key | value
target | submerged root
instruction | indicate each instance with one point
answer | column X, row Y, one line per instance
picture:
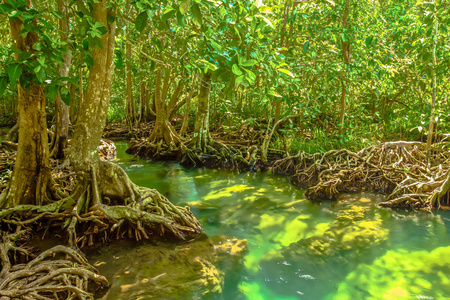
column 398, row 169
column 57, row 273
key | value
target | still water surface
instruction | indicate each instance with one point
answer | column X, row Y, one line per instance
column 297, row 249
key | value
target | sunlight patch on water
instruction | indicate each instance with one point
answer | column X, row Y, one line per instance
column 400, row 274
column 226, row 192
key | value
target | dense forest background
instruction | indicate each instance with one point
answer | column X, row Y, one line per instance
column 354, row 72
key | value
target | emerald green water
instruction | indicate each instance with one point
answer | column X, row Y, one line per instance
column 297, row 249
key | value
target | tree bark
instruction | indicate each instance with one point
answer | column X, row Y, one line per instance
column 163, row 130
column 93, row 110
column 145, row 114
column 59, row 142
column 186, row 112
column 201, row 136
column 346, row 58
column 131, row 109
column 31, row 170
column 433, row 95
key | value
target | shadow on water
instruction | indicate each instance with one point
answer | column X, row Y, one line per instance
column 266, row 241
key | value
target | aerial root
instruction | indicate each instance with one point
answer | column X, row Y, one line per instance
column 57, row 273
column 398, row 169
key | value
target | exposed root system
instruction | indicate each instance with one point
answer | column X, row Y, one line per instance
column 397, row 169
column 57, row 273
column 89, row 207
column 231, row 150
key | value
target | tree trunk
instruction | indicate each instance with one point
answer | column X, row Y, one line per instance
column 31, row 170
column 145, row 114
column 131, row 109
column 201, row 136
column 186, row 112
column 342, row 115
column 277, row 109
column 346, row 58
column 59, row 142
column 93, row 110
column 163, row 130
column 433, row 95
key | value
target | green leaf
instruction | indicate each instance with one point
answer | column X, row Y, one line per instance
column 52, row 91
column 14, row 72
column 37, row 46
column 249, row 63
column 168, row 13
column 65, row 96
column 251, row 76
column 141, row 21
column 369, row 40
column 118, row 62
column 197, row 14
column 85, row 44
column 305, row 46
column 207, row 65
column 239, row 79
column 236, row 70
column 89, row 60
column 47, row 24
column 184, row 6
column 268, row 22
column 215, row 45
column 40, row 75
column 57, row 14
column 3, row 83
column 111, row 19
column 180, row 20
column 286, row 72
column 6, row 8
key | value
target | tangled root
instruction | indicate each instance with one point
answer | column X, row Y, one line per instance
column 398, row 169
column 46, row 277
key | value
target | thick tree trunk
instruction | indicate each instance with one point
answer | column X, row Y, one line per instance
column 59, row 142
column 102, row 186
column 93, row 110
column 31, row 170
column 201, row 136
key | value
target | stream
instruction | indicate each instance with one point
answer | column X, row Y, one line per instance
column 296, row 249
